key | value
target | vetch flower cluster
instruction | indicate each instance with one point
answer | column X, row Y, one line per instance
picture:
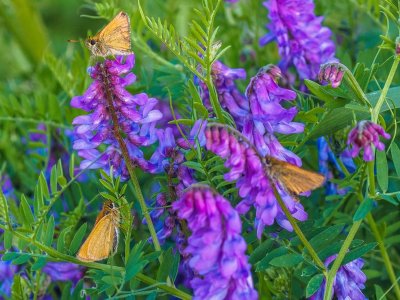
column 216, row 247
column 267, row 116
column 246, row 167
column 348, row 283
column 114, row 112
column 363, row 136
column 169, row 158
column 259, row 113
column 302, row 40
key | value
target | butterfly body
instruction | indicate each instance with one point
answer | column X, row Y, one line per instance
column 103, row 239
column 113, row 39
column 294, row 179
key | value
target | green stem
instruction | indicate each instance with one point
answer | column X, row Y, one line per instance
column 332, row 272
column 34, row 121
column 208, row 59
column 382, row 97
column 298, row 231
column 37, row 285
column 349, row 239
column 58, row 256
column 127, row 159
column 384, row 254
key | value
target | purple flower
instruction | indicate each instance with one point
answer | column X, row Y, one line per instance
column 6, row 186
column 348, row 283
column 302, row 41
column 249, row 172
column 63, row 271
column 136, row 117
column 267, row 115
column 168, row 158
column 326, row 157
column 229, row 96
column 7, row 272
column 331, row 72
column 363, row 136
column 216, row 247
column 196, row 134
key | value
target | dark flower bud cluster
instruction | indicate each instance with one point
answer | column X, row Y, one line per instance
column 365, row 135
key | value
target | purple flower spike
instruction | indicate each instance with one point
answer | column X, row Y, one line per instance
column 363, row 136
column 216, row 246
column 302, row 40
column 254, row 186
column 268, row 116
column 348, row 283
column 63, row 271
column 331, row 72
column 136, row 117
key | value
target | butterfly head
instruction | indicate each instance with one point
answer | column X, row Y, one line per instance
column 91, row 43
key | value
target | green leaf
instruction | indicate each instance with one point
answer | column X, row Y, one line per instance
column 358, row 252
column 314, row 284
column 395, row 151
column 364, row 208
column 61, row 239
column 48, row 239
column 379, row 294
column 17, row 291
column 309, row 271
column 264, row 263
column 77, row 239
column 326, row 237
column 27, row 212
column 21, row 259
column 135, row 262
column 9, row 256
column 195, row 166
column 393, row 94
column 53, row 179
column 43, row 185
column 335, row 120
column 8, row 237
column 260, row 251
column 167, row 265
column 382, row 170
column 288, row 260
column 40, row 263
column 175, row 267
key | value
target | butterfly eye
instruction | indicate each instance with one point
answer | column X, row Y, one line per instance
column 92, row 42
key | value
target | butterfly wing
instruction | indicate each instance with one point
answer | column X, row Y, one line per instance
column 100, row 241
column 115, row 37
column 296, row 180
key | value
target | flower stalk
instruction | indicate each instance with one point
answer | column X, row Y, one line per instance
column 128, row 161
column 298, row 231
column 58, row 256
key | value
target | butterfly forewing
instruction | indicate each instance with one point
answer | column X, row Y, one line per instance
column 296, row 180
column 103, row 239
column 113, row 39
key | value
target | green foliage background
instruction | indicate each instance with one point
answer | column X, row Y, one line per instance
column 40, row 72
